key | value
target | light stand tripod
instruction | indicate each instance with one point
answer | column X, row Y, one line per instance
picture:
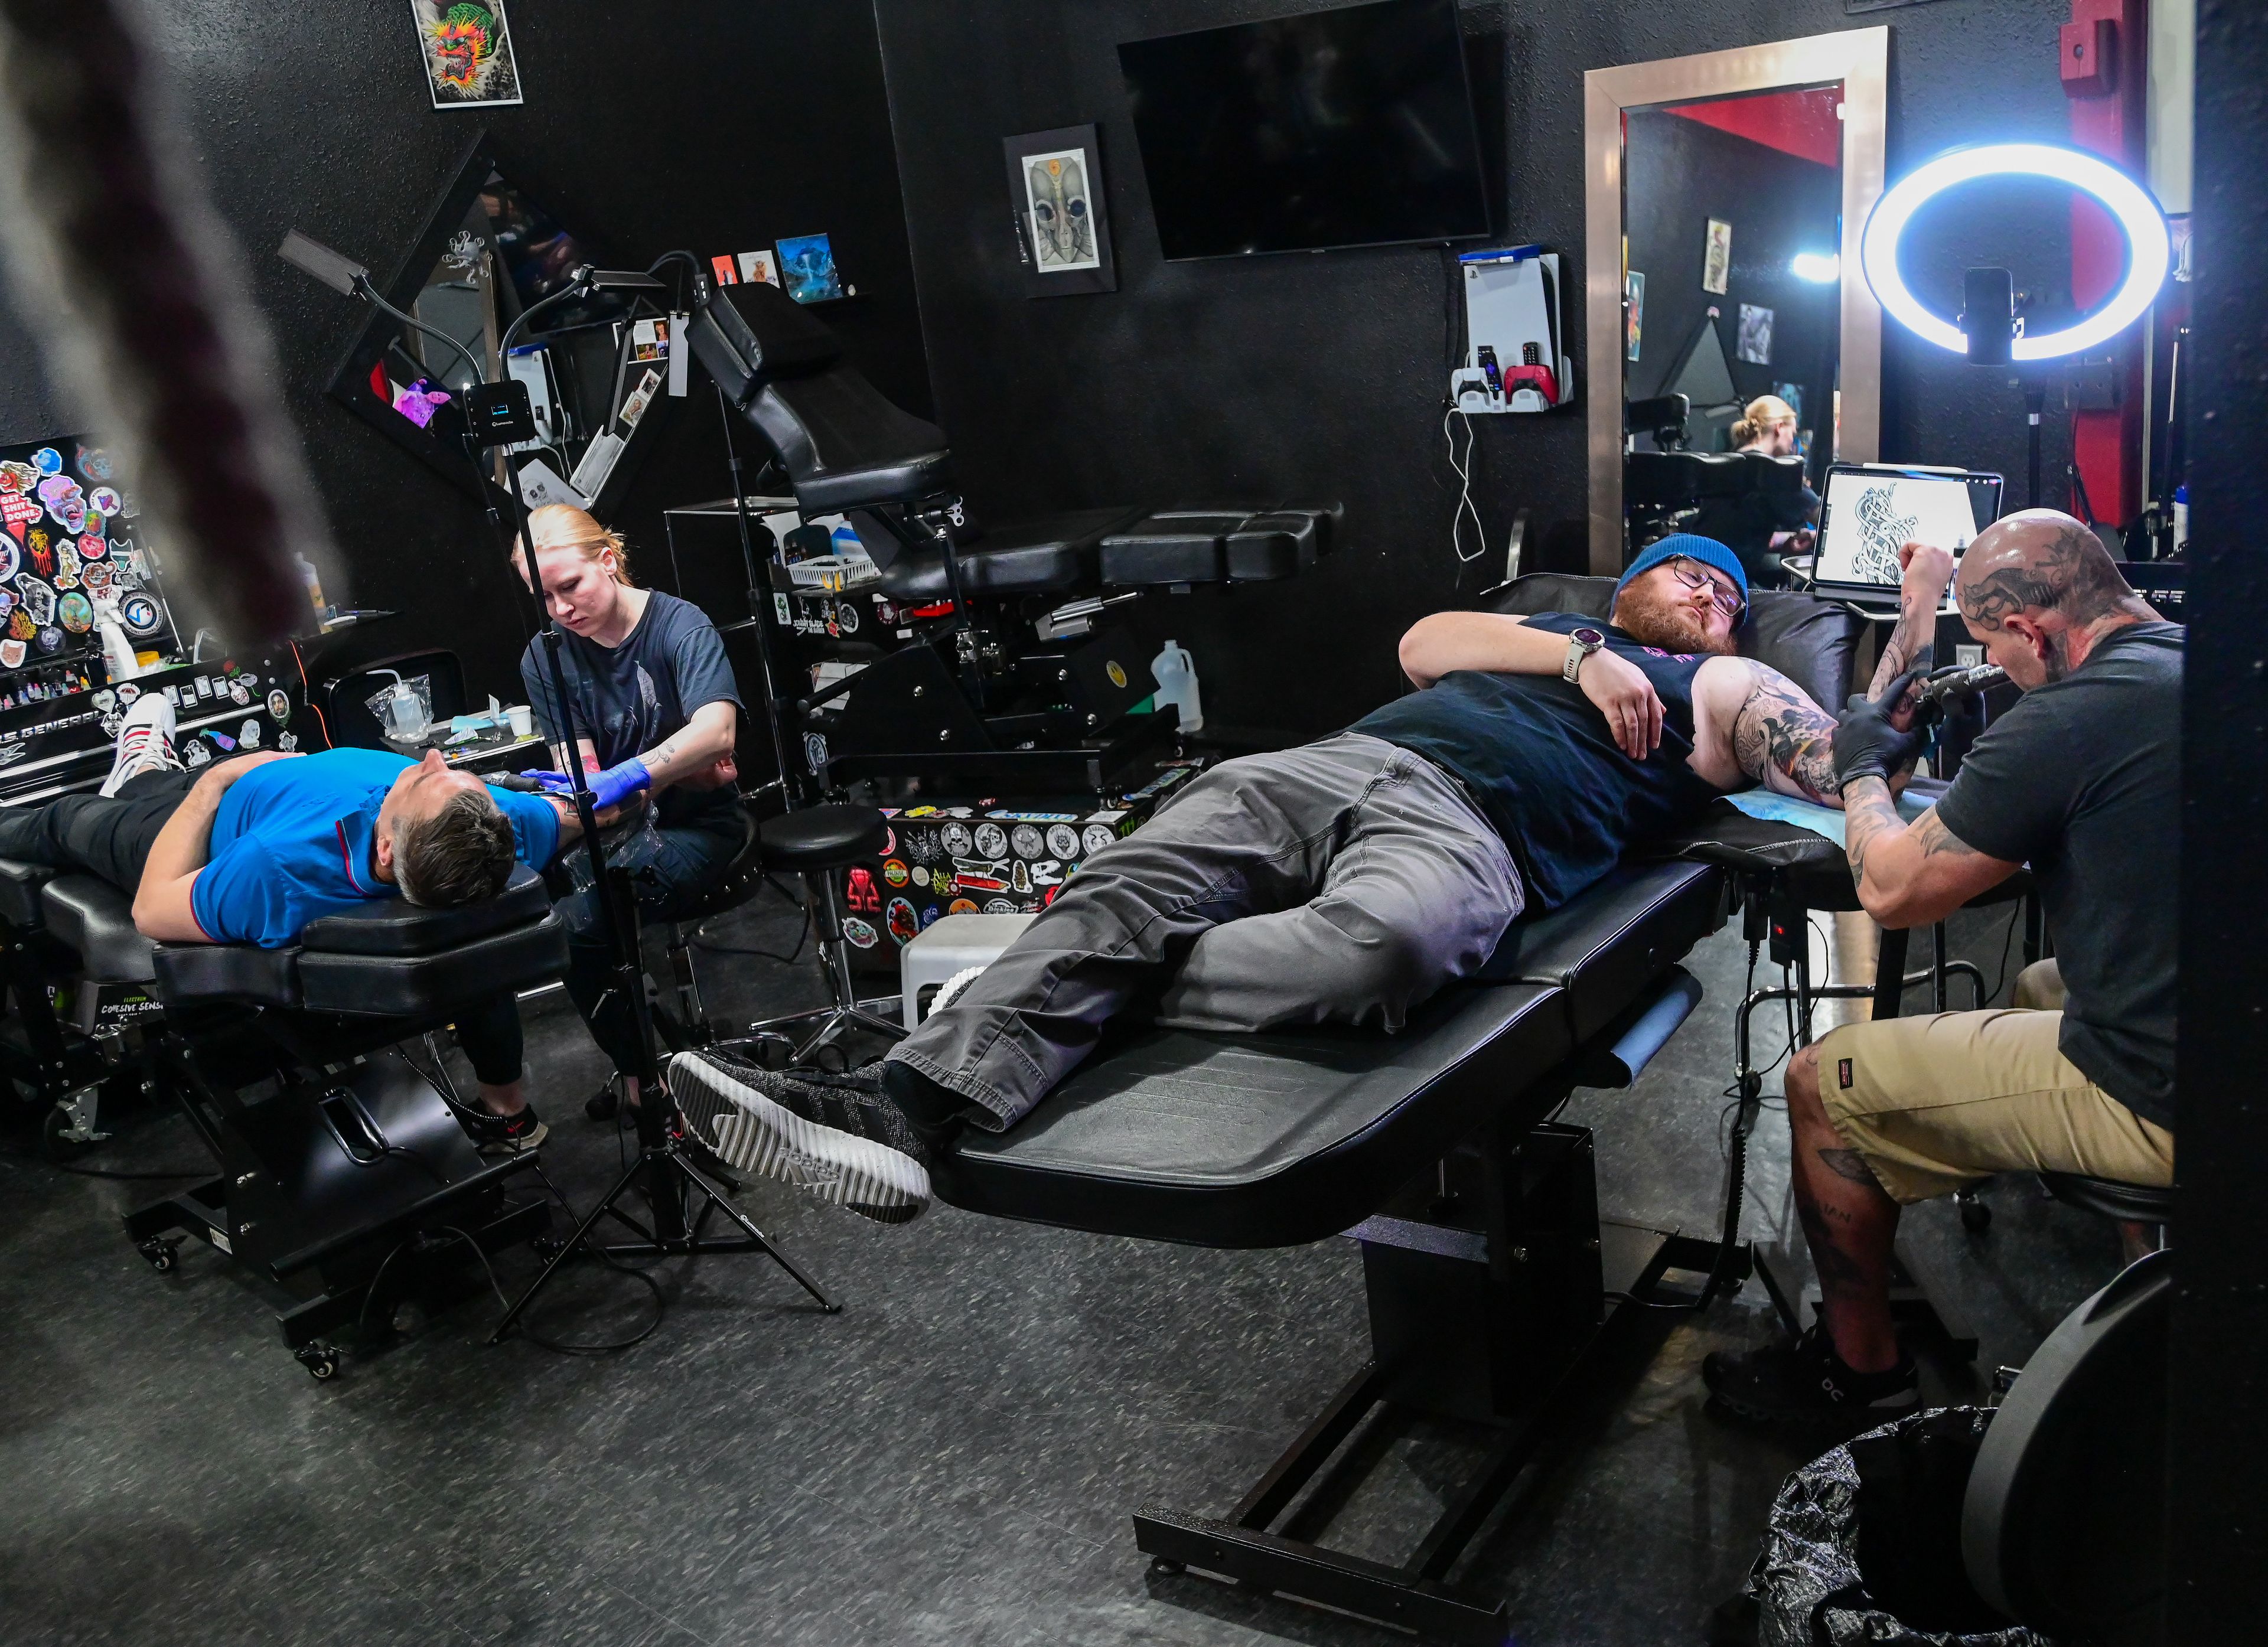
column 662, row 1163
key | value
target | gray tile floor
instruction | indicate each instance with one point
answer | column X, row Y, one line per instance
column 950, row 1459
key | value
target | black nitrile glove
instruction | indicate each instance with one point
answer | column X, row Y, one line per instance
column 1867, row 745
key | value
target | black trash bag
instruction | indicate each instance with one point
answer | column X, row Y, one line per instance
column 1864, row 1547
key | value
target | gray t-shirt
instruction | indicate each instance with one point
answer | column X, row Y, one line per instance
column 634, row 695
column 2082, row 781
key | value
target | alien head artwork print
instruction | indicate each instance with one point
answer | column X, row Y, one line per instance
column 1063, row 232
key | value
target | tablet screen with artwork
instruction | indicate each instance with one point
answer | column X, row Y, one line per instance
column 1868, row 512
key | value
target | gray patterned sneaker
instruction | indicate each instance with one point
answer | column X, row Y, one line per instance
column 834, row 1135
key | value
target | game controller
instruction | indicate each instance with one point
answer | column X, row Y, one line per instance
column 1535, row 377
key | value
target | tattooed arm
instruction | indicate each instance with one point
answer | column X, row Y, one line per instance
column 1753, row 724
column 1913, row 643
column 1911, row 875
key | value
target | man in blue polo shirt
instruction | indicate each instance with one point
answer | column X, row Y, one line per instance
column 253, row 849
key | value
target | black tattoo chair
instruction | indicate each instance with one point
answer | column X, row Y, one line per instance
column 1022, row 681
column 343, row 1180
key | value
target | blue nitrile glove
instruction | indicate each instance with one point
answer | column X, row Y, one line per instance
column 610, row 788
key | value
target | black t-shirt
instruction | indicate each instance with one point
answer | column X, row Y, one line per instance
column 1540, row 763
column 2082, row 781
column 634, row 695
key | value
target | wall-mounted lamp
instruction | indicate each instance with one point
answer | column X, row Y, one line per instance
column 1823, row 267
column 2148, row 248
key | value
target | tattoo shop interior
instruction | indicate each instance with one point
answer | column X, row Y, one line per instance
column 1132, row 820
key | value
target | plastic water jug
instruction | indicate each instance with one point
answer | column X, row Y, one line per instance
column 1176, row 675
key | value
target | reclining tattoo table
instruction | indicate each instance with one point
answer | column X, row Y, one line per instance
column 337, row 1167
column 1489, row 1271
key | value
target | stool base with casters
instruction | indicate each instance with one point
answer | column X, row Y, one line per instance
column 2150, row 1206
column 814, row 842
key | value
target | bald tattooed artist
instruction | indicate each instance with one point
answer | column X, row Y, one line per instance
column 2079, row 780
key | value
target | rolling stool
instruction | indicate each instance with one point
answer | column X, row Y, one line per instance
column 2147, row 1204
column 814, row 843
column 685, row 1026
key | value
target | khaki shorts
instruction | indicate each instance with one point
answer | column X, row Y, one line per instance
column 1932, row 1104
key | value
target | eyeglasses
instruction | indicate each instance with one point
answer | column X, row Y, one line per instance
column 1693, row 575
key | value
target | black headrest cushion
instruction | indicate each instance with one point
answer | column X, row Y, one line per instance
column 396, row 926
column 1810, row 641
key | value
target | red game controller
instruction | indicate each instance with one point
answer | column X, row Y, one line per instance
column 1536, row 377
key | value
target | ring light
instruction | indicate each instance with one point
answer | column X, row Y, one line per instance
column 2148, row 250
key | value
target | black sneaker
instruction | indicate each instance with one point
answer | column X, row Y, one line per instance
column 835, row 1136
column 509, row 1134
column 1805, row 1379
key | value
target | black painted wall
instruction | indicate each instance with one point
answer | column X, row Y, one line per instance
column 715, row 125
column 1680, row 174
column 1323, row 376
column 2217, row 1539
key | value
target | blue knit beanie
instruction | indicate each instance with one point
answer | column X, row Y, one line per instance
column 1693, row 547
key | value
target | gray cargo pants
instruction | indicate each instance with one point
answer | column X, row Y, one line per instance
column 1343, row 882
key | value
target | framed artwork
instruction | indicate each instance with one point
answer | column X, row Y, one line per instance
column 1716, row 258
column 1755, row 336
column 1063, row 229
column 758, row 266
column 807, row 264
column 1633, row 313
column 466, row 46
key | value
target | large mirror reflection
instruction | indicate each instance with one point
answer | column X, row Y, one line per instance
column 1733, row 218
column 1724, row 194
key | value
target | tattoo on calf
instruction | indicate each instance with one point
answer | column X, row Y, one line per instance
column 1778, row 729
column 1847, row 1163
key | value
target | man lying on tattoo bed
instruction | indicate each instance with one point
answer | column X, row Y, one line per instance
column 1342, row 882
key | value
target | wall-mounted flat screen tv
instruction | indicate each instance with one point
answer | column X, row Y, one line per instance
column 1351, row 127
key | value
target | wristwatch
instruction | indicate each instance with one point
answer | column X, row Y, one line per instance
column 1580, row 644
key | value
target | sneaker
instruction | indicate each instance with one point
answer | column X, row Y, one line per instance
column 834, row 1135
column 146, row 743
column 1805, row 1379
column 510, row 1134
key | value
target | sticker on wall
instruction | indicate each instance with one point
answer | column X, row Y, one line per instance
column 139, row 613
column 287, row 741
column 861, row 933
column 895, row 872
column 39, row 601
column 77, row 612
column 921, row 875
column 48, row 460
column 20, row 627
column 1097, row 837
column 930, row 913
column 94, row 463
column 1717, row 257
column 248, row 734
column 197, row 754
column 128, row 692
column 104, row 500
column 50, row 639
column 12, row 560
column 66, row 503
column 905, row 926
column 223, row 739
column 467, row 51
column 239, row 692
column 12, row 654
column 1001, row 906
column 955, row 839
column 1633, row 313
column 992, row 840
column 961, row 905
column 279, row 706
column 1027, row 842
column 1063, row 841
column 17, row 512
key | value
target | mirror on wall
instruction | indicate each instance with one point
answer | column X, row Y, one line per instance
column 1726, row 195
column 489, row 251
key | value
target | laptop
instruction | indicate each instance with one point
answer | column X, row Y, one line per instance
column 1869, row 510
